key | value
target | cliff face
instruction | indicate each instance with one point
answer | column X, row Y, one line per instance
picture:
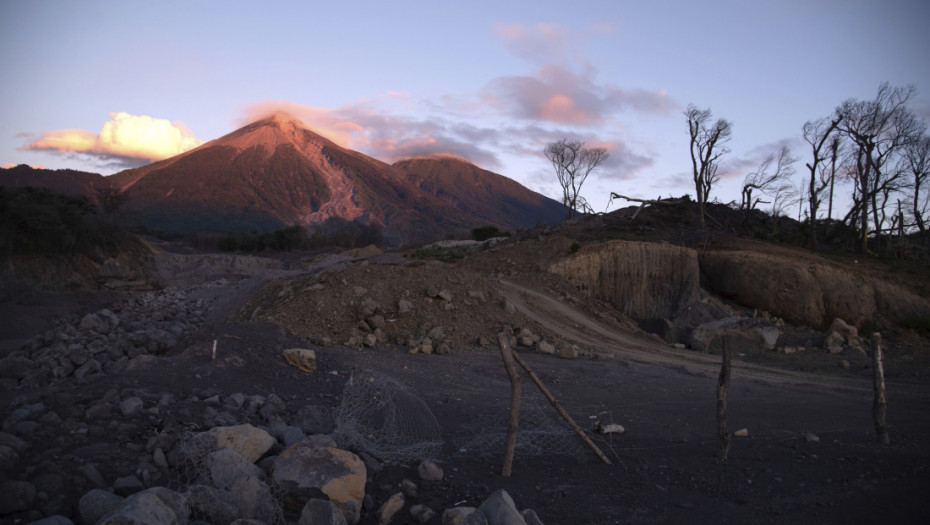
column 643, row 280
column 649, row 281
column 806, row 292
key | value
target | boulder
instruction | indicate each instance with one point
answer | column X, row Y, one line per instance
column 211, row 504
column 156, row 505
column 96, row 504
column 251, row 442
column 130, row 406
column 57, row 519
column 320, row 512
column 226, row 467
column 568, row 352
column 255, row 500
column 744, row 334
column 303, row 359
column 500, row 509
column 304, row 468
column 848, row 333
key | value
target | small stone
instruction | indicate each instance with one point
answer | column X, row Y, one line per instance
column 127, row 485
column 741, row 433
column 159, row 459
column 445, row 295
column 408, row 487
column 303, row 359
column 370, row 340
column 430, row 471
column 422, row 513
column 530, row 517
column 16, row 496
column 810, row 437
column 404, row 306
column 570, row 352
column 463, row 516
column 544, row 347
column 390, row 507
column 844, row 364
column 130, row 406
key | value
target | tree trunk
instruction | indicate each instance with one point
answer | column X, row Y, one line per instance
column 879, row 403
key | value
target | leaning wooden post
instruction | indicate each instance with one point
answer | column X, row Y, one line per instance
column 503, row 340
column 723, row 385
column 879, row 403
column 558, row 407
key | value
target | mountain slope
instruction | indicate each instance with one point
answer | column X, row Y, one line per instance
column 481, row 194
column 275, row 172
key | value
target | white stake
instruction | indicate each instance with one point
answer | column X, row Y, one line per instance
column 214, row 349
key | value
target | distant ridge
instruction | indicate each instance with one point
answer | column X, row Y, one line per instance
column 275, row 172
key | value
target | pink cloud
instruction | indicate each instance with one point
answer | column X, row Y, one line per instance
column 544, row 42
column 123, row 136
column 555, row 94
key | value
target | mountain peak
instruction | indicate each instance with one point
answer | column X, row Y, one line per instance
column 283, row 119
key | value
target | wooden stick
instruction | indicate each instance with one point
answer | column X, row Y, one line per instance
column 723, row 385
column 558, row 407
column 879, row 402
column 513, row 425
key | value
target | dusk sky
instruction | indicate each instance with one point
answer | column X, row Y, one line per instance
column 104, row 85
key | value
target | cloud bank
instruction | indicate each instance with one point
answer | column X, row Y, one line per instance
column 124, row 136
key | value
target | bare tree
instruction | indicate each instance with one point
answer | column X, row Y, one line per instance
column 573, row 162
column 835, row 151
column 708, row 144
column 917, row 161
column 819, row 134
column 775, row 171
column 878, row 128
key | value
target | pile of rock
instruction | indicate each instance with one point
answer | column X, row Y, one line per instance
column 145, row 323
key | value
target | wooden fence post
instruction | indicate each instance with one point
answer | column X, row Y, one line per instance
column 723, row 385
column 879, row 402
column 503, row 340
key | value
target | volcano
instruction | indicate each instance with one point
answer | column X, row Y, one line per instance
column 276, row 172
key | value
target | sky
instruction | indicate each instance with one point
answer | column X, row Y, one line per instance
column 105, row 85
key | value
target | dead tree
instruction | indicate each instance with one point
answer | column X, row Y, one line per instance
column 878, row 128
column 818, row 134
column 707, row 146
column 644, row 202
column 573, row 162
column 917, row 160
column 773, row 173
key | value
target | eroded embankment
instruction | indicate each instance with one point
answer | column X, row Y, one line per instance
column 808, row 292
column 657, row 281
column 642, row 280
